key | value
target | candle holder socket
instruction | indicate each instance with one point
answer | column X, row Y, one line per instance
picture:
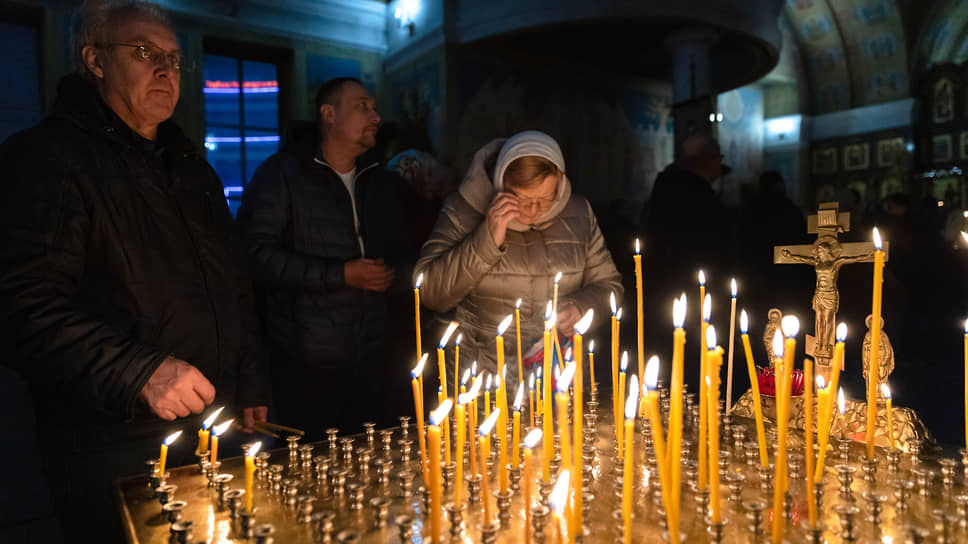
column 381, row 511
column 449, row 471
column 961, row 501
column 323, row 526
column 233, row 498
column 174, row 510
column 383, row 466
column 247, row 522
column 843, row 446
column 474, row 489
column 902, row 491
column 869, row 466
column 455, row 514
column 503, row 508
column 814, row 532
column 893, row 461
column 405, row 479
column 702, row 502
column 489, row 532
column 540, row 513
column 948, row 470
column 846, row 513
column 165, row 493
column 923, row 477
column 735, row 481
column 404, row 525
column 181, row 532
column 221, row 484
column 716, row 530
column 766, row 473
column 264, row 534
column 875, row 503
column 754, row 513
column 355, row 491
column 845, row 476
column 347, row 536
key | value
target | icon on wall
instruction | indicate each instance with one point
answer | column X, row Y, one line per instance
column 942, row 109
column 890, row 152
column 825, row 160
column 941, row 148
column 856, row 156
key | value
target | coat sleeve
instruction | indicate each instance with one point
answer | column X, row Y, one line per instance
column 45, row 225
column 600, row 275
column 264, row 220
column 455, row 258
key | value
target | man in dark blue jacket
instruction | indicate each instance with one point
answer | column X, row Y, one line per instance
column 124, row 295
column 326, row 240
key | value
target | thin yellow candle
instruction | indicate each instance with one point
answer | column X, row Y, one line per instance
column 591, row 366
column 639, row 319
column 628, row 472
column 516, row 428
column 502, row 406
column 203, row 433
column 823, row 425
column 547, row 423
column 473, row 393
column 714, row 362
column 415, row 383
column 442, row 369
column 703, row 390
column 790, row 326
column 517, row 337
column 615, row 339
column 460, row 416
column 729, row 355
column 966, row 371
column 744, row 325
column 485, row 435
column 250, row 473
column 457, row 361
column 163, row 457
column 217, row 431
column 554, row 311
column 487, row 396
column 561, row 402
column 650, row 381
column 827, row 420
column 436, row 481
column 538, row 392
column 416, row 312
column 674, row 444
column 578, row 410
column 872, row 377
column 463, row 380
column 445, row 426
column 531, row 399
column 558, row 500
column 530, row 441
column 886, row 391
column 808, row 438
column 621, row 387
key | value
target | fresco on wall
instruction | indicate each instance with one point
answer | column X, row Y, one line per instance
column 944, row 38
column 616, row 138
column 873, row 36
column 823, row 48
column 741, row 139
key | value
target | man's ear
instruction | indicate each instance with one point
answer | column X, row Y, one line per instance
column 327, row 113
column 92, row 60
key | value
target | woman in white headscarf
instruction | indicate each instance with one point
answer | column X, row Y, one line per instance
column 503, row 236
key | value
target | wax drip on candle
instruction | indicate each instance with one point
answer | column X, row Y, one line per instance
column 679, row 311
column 744, row 322
column 211, row 419
column 503, row 326
column 447, row 333
column 632, row 403
column 707, row 308
column 418, row 370
column 586, row 321
column 732, row 287
column 532, row 439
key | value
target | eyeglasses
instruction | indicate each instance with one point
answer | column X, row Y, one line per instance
column 144, row 52
column 543, row 204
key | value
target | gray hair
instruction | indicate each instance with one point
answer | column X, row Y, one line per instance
column 95, row 19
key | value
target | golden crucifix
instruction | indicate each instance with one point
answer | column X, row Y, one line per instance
column 827, row 255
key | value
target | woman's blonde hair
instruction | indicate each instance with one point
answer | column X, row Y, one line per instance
column 528, row 171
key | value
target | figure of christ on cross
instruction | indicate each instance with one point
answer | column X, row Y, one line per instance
column 827, row 257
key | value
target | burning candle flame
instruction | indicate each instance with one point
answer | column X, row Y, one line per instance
column 878, row 244
column 532, row 438
column 474, row 368
column 821, row 383
column 531, row 382
column 702, row 277
column 222, row 427
column 466, row 376
column 707, row 308
column 618, row 316
column 419, row 281
column 711, row 337
column 211, row 419
column 790, row 326
column 633, row 401
column 460, row 336
column 465, row 398
column 476, row 387
column 253, row 449
column 732, row 287
column 651, row 378
column 517, row 305
column 559, row 496
column 519, row 397
column 557, row 277
column 487, row 386
column 503, row 326
column 591, row 346
column 841, row 332
column 418, row 370
column 841, row 402
column 568, row 355
column 441, row 412
column 625, row 361
column 611, row 301
column 744, row 322
column 549, row 318
column 778, row 344
column 966, row 326
column 678, row 313
column 564, row 381
column 965, row 236
column 586, row 321
column 172, row 437
column 638, row 247
column 446, row 337
column 488, row 424
column 886, row 391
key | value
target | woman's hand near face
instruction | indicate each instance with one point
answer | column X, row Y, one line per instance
column 503, row 209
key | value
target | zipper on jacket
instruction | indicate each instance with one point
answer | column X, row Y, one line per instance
column 355, row 199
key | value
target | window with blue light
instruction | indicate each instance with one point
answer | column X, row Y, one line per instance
column 20, row 97
column 241, row 119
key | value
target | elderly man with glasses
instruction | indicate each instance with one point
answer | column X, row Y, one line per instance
column 124, row 300
column 510, row 228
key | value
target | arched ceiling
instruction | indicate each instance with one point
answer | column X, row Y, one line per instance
column 944, row 37
column 854, row 51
